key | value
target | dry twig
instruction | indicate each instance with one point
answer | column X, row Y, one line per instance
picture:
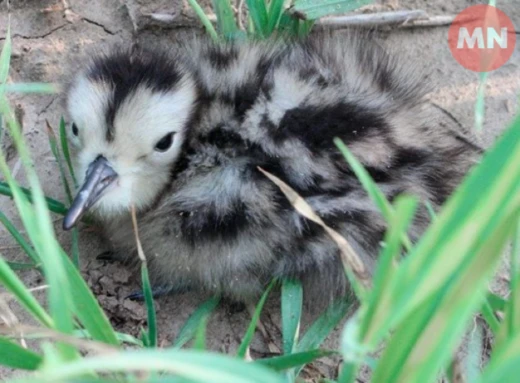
column 350, row 259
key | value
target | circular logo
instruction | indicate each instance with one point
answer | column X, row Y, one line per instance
column 482, row 38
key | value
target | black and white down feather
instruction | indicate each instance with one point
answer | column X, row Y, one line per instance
column 180, row 135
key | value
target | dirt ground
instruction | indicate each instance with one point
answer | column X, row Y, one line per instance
column 48, row 40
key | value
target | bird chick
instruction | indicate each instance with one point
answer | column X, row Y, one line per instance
column 181, row 134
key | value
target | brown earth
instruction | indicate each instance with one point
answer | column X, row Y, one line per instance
column 47, row 39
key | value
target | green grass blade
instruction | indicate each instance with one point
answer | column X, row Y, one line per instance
column 53, row 143
column 5, row 59
column 274, row 15
column 248, row 337
column 66, row 155
column 496, row 303
column 292, row 297
column 53, row 205
column 204, row 19
column 189, row 329
column 258, row 13
column 225, row 19
column 370, row 186
column 312, row 10
column 18, row 266
column 504, row 365
column 473, row 359
column 480, row 105
column 191, row 364
column 26, row 247
column 398, row 224
column 15, row 286
column 199, row 343
column 426, row 339
column 40, row 230
column 511, row 308
column 66, row 152
column 288, row 25
column 487, row 196
column 305, row 27
column 285, row 362
column 32, row 87
column 121, row 337
column 86, row 307
column 150, row 307
column 323, row 326
column 490, row 317
column 15, row 356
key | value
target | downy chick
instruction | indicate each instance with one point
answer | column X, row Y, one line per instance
column 180, row 135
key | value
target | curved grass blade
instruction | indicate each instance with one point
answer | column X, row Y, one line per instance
column 199, row 343
column 298, row 359
column 66, row 151
column 248, row 337
column 194, row 365
column 311, row 10
column 150, row 307
column 489, row 193
column 225, row 19
column 15, row 356
column 204, row 19
column 511, row 308
column 19, row 238
column 504, row 365
column 53, row 143
column 86, row 307
column 53, row 205
column 17, row 266
column 425, row 340
column 32, row 87
column 274, row 15
column 258, row 13
column 15, row 286
column 323, row 326
column 370, row 187
column 292, row 297
column 40, row 230
column 5, row 59
column 189, row 329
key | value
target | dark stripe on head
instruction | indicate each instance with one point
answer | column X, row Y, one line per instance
column 125, row 71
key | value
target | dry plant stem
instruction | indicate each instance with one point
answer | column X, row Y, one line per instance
column 457, row 371
column 9, row 297
column 90, row 345
column 433, row 21
column 10, row 319
column 398, row 19
column 140, row 251
column 373, row 19
column 240, row 14
column 348, row 256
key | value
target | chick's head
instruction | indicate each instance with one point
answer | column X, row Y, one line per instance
column 129, row 114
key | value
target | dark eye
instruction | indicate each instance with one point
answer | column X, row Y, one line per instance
column 165, row 143
column 75, row 130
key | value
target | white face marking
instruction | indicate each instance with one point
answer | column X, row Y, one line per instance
column 141, row 121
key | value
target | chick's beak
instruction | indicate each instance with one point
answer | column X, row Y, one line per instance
column 99, row 176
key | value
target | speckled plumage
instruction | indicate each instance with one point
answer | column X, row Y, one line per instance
column 207, row 217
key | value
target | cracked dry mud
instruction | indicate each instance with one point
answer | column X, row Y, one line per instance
column 48, row 40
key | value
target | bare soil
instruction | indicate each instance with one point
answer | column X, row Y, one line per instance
column 48, row 39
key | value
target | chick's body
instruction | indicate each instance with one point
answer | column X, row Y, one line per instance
column 207, row 217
